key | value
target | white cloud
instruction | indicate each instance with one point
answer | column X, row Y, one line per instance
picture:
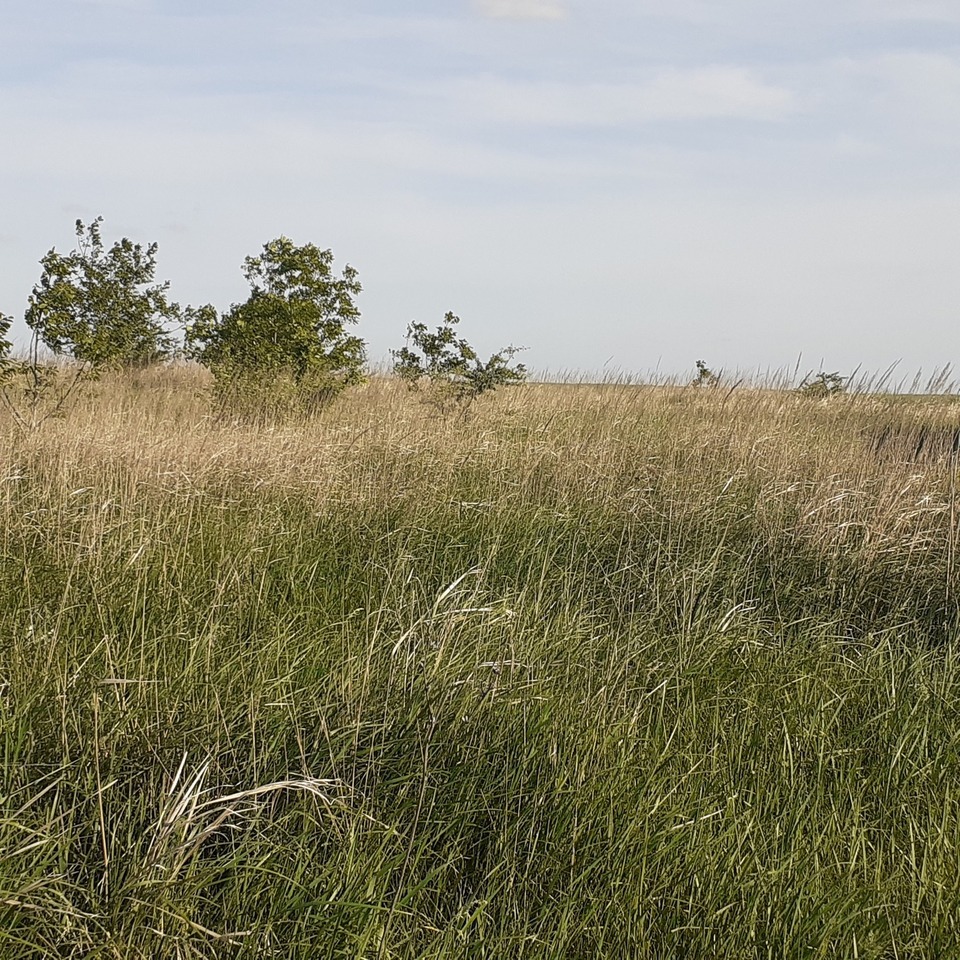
column 715, row 92
column 521, row 9
column 697, row 94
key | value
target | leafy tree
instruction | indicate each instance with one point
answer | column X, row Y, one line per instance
column 823, row 385
column 447, row 371
column 705, row 376
column 288, row 343
column 101, row 306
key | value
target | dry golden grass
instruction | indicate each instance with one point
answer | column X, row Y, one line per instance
column 589, row 443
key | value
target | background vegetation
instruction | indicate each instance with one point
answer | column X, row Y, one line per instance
column 619, row 671
column 286, row 350
column 101, row 307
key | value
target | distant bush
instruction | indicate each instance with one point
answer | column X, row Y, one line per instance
column 286, row 348
column 447, row 372
column 705, row 376
column 35, row 387
column 823, row 385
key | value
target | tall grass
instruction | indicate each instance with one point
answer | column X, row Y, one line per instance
column 605, row 671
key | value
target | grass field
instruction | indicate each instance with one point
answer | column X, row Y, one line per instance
column 601, row 672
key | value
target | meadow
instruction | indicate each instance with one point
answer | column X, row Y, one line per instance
column 600, row 671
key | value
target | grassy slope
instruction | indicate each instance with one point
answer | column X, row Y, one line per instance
column 607, row 672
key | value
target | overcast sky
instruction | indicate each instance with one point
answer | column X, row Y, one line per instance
column 615, row 184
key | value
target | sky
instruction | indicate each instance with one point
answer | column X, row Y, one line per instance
column 616, row 185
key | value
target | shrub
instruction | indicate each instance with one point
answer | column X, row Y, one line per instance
column 447, row 371
column 823, row 385
column 705, row 376
column 35, row 388
column 101, row 307
column 287, row 346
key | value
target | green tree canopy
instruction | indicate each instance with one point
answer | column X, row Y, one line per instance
column 102, row 306
column 292, row 327
column 447, row 370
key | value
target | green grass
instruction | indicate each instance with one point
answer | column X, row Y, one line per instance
column 604, row 672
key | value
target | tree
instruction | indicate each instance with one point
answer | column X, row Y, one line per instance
column 288, row 344
column 705, row 376
column 100, row 306
column 823, row 385
column 447, row 371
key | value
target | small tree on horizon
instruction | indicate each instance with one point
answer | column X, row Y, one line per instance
column 101, row 307
column 287, row 346
column 447, row 371
column 705, row 376
column 823, row 385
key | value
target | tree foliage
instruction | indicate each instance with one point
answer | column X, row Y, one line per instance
column 823, row 385
column 447, row 371
column 289, row 340
column 101, row 306
column 705, row 376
